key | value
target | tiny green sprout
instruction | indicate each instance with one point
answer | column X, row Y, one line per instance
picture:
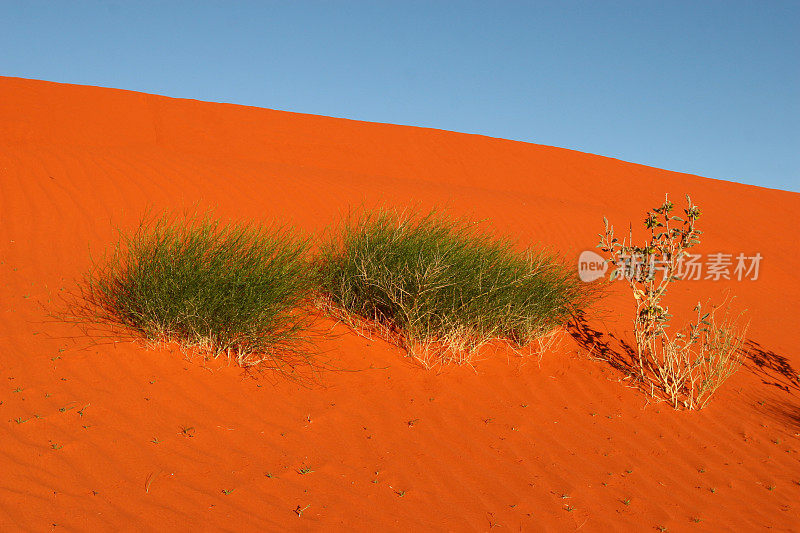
column 701, row 470
column 269, row 475
column 592, row 414
column 663, row 529
column 226, row 491
column 626, row 501
column 713, row 490
column 776, row 441
column 18, row 389
column 400, row 493
column 187, row 431
column 305, row 470
column 299, row 510
column 569, row 508
column 411, row 423
column 524, row 405
column 56, row 446
column 155, row 440
column 565, row 496
column 19, row 420
column 697, row 519
column 55, row 358
column 771, row 487
column 629, row 471
column 80, row 413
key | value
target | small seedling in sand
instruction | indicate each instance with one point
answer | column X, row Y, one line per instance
column 305, row 470
column 187, row 431
column 697, row 519
column 701, row 470
column 400, row 493
column 713, row 490
column 770, row 487
column 626, row 501
column 80, row 413
column 19, row 420
column 565, row 496
column 66, row 408
column 569, row 508
column 299, row 510
column 663, row 529
column 226, row 492
column 269, row 475
column 56, row 446
column 18, row 389
column 411, row 423
column 629, row 471
column 155, row 441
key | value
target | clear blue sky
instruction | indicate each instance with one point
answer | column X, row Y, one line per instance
column 706, row 87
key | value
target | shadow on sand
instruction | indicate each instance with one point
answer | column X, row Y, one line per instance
column 772, row 368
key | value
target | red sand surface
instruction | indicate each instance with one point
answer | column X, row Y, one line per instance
column 560, row 444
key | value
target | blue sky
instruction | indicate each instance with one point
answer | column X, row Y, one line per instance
column 705, row 87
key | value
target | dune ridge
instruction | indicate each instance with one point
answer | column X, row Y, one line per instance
column 99, row 434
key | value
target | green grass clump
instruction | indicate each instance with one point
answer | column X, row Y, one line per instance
column 230, row 289
column 440, row 287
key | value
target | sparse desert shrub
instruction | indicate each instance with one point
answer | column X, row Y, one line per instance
column 229, row 289
column 687, row 368
column 441, row 288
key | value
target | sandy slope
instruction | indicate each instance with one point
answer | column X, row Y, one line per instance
column 512, row 443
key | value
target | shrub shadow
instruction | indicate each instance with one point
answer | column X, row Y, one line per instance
column 772, row 368
column 605, row 346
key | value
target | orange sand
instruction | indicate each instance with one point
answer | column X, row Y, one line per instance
column 513, row 443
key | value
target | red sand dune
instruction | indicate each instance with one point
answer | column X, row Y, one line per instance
column 556, row 445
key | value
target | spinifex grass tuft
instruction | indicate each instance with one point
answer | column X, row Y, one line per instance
column 440, row 287
column 230, row 289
